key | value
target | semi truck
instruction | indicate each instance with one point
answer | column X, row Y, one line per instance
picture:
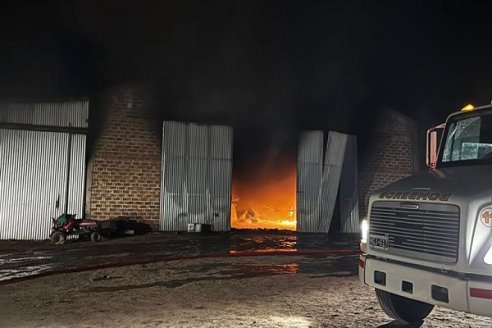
column 427, row 239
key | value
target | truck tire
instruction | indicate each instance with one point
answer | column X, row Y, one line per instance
column 403, row 309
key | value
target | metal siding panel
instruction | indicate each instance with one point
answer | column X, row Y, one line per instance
column 77, row 175
column 309, row 172
column 174, row 134
column 220, row 176
column 197, row 141
column 173, row 172
column 221, row 138
column 32, row 178
column 196, row 181
column 196, row 176
column 335, row 152
column 349, row 193
column 173, row 203
column 57, row 114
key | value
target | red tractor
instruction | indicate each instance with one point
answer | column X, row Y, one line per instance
column 67, row 225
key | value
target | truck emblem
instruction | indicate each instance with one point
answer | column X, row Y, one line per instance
column 416, row 195
column 486, row 216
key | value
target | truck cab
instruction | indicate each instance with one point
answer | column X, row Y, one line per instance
column 427, row 239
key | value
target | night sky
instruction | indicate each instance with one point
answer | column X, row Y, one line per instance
column 269, row 68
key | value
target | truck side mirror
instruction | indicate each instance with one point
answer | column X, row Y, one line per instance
column 433, row 139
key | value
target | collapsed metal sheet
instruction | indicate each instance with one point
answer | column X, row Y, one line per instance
column 309, row 173
column 319, row 179
column 196, row 176
column 332, row 169
column 349, row 189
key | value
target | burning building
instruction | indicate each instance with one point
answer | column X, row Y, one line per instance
column 173, row 173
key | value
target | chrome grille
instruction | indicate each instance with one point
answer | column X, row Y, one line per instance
column 419, row 230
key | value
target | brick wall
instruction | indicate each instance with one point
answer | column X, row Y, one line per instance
column 392, row 154
column 126, row 160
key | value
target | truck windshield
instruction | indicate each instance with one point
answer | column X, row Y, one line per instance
column 468, row 140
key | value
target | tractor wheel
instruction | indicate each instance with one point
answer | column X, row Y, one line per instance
column 58, row 237
column 403, row 309
column 96, row 236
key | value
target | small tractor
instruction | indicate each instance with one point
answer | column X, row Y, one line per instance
column 67, row 225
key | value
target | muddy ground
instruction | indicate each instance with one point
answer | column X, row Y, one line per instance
column 270, row 291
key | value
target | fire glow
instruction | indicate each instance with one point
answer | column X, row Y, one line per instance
column 266, row 201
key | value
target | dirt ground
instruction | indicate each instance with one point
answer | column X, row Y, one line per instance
column 279, row 291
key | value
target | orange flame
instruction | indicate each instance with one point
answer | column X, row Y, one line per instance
column 266, row 201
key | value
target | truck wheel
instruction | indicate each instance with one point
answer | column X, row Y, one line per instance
column 403, row 309
column 58, row 237
column 96, row 236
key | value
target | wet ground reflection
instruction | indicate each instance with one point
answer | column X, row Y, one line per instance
column 316, row 266
column 26, row 259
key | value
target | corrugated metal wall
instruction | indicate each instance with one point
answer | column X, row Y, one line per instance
column 174, row 171
column 220, row 176
column 309, row 173
column 318, row 181
column 36, row 167
column 60, row 114
column 196, row 176
column 76, row 182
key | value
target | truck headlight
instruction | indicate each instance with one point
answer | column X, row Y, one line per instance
column 488, row 256
column 364, row 229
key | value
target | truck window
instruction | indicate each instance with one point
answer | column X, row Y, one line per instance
column 469, row 140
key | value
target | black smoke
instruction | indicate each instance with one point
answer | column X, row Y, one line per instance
column 268, row 68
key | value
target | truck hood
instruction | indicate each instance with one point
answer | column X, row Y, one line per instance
column 443, row 184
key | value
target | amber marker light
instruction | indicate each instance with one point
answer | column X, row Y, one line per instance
column 468, row 108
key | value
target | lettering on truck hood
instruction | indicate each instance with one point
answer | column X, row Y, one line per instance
column 415, row 195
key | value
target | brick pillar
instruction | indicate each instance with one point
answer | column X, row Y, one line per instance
column 126, row 161
column 392, row 155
